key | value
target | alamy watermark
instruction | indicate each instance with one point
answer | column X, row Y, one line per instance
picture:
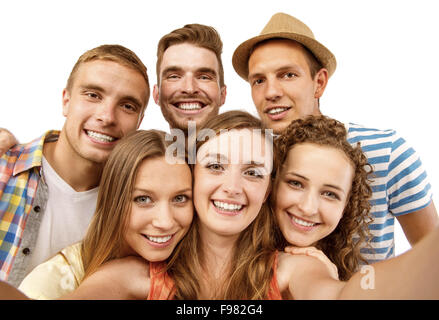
column 367, row 281
column 245, row 142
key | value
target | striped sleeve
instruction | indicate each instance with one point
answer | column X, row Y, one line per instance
column 408, row 188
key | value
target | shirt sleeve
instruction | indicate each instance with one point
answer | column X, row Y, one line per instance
column 408, row 188
column 50, row 280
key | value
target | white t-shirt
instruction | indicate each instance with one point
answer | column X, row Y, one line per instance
column 66, row 218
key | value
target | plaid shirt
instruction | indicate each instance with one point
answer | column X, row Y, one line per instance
column 19, row 178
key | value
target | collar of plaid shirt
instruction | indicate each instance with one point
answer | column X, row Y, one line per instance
column 19, row 176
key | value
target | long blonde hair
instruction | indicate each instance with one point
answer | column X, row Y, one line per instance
column 251, row 269
column 104, row 237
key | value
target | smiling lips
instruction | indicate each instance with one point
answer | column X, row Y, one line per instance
column 100, row 137
column 159, row 241
column 227, row 208
column 277, row 112
column 185, row 105
column 302, row 224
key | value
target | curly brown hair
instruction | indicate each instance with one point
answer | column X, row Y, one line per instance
column 342, row 246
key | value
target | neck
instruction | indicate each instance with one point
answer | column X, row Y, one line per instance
column 218, row 252
column 81, row 174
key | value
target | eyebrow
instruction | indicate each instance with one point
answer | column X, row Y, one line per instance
column 254, row 163
column 207, row 70
column 218, row 156
column 306, row 179
column 129, row 98
column 152, row 192
column 179, row 69
column 280, row 69
column 171, row 69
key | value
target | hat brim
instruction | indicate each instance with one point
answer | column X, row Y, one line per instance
column 242, row 53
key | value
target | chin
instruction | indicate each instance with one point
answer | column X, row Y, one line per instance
column 156, row 257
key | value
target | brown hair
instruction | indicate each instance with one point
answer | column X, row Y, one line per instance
column 340, row 246
column 197, row 34
column 104, row 236
column 115, row 53
column 251, row 264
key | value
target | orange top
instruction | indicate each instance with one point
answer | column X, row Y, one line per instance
column 161, row 284
column 273, row 291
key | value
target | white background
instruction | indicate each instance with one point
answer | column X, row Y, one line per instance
column 387, row 54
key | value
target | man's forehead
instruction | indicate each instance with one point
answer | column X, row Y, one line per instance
column 111, row 75
column 276, row 54
column 185, row 55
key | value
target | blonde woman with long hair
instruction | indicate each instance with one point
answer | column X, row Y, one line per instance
column 137, row 216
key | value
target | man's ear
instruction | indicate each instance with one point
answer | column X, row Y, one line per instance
column 320, row 80
column 223, row 94
column 65, row 102
column 156, row 94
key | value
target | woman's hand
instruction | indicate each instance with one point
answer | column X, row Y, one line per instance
column 313, row 252
column 7, row 141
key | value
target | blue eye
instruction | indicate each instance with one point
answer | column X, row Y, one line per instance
column 142, row 199
column 205, row 77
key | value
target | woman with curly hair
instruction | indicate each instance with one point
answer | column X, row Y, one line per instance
column 321, row 192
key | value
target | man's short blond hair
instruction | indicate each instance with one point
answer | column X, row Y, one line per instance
column 115, row 53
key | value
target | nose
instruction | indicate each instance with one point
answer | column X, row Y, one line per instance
column 190, row 85
column 164, row 217
column 106, row 113
column 232, row 183
column 309, row 204
column 273, row 90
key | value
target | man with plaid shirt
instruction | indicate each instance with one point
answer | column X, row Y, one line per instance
column 48, row 187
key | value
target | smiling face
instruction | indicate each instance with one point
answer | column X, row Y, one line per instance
column 161, row 213
column 281, row 83
column 232, row 176
column 189, row 88
column 312, row 192
column 105, row 103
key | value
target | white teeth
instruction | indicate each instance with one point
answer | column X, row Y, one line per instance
column 277, row 110
column 99, row 136
column 303, row 223
column 159, row 239
column 227, row 206
column 189, row 106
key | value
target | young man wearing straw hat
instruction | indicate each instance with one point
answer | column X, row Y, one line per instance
column 288, row 70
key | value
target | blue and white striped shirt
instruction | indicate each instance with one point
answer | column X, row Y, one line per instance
column 399, row 185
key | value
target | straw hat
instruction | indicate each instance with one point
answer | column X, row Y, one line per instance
column 282, row 25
